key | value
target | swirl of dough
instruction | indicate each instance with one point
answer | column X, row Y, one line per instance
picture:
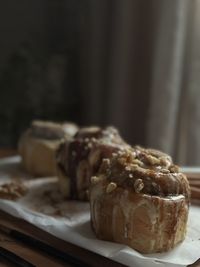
column 81, row 157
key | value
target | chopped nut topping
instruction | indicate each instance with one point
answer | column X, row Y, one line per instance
column 133, row 153
column 158, row 168
column 135, row 167
column 130, row 175
column 137, row 161
column 12, row 190
column 174, row 168
column 128, row 168
column 138, row 185
column 165, row 161
column 122, row 161
column 152, row 160
column 165, row 171
column 95, row 179
column 111, row 187
column 107, row 161
column 90, row 145
column 120, row 152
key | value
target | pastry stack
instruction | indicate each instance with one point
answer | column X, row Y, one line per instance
column 137, row 196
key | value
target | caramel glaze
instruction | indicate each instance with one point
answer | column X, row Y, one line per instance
column 145, row 171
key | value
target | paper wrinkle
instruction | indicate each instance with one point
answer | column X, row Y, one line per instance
column 44, row 207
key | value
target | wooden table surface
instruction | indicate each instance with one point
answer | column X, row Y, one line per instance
column 36, row 256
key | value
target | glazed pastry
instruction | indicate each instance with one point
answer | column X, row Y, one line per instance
column 140, row 199
column 78, row 159
column 38, row 145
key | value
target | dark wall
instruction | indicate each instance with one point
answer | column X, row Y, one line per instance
column 39, row 63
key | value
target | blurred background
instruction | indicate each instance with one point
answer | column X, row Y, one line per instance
column 134, row 64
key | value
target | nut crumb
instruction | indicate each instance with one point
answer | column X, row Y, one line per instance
column 121, row 152
column 107, row 161
column 95, row 179
column 138, row 185
column 164, row 161
column 12, row 190
column 111, row 187
column 90, row 145
column 165, row 171
column 152, row 160
column 137, row 162
column 122, row 161
column 128, row 168
column 174, row 168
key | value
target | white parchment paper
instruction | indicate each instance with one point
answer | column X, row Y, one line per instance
column 44, row 207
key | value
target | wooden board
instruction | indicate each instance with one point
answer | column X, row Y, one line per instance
column 84, row 255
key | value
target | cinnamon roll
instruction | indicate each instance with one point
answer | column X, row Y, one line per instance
column 141, row 199
column 38, row 145
column 79, row 159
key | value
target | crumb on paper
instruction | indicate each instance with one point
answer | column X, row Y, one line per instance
column 12, row 190
column 58, row 213
column 48, row 203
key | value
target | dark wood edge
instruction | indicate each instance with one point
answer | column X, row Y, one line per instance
column 84, row 255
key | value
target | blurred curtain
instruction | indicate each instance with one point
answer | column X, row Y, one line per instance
column 39, row 63
column 143, row 72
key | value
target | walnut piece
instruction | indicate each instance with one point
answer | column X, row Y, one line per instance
column 137, row 162
column 138, row 185
column 152, row 160
column 174, row 168
column 12, row 190
column 95, row 179
column 111, row 187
